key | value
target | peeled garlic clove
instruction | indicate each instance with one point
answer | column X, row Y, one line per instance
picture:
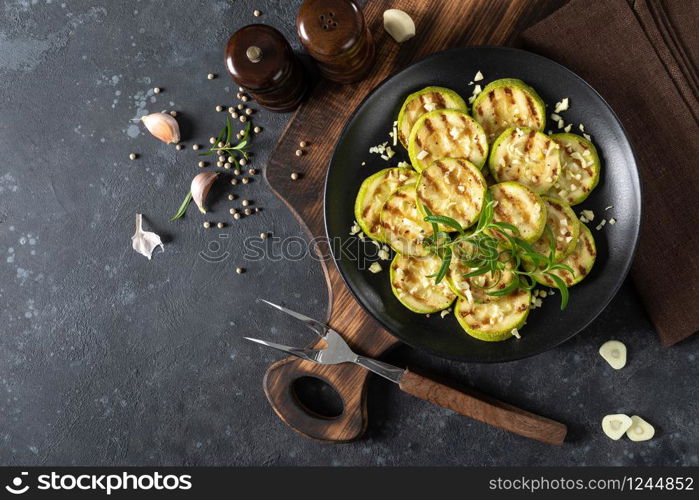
column 614, row 426
column 399, row 25
column 614, row 353
column 163, row 126
column 144, row 242
column 200, row 188
column 640, row 430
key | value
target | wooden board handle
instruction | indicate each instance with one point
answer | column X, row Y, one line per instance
column 348, row 381
column 485, row 410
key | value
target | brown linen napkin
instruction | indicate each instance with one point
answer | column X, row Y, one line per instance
column 641, row 55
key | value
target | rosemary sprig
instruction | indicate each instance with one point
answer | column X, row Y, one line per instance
column 183, row 207
column 228, row 148
column 484, row 252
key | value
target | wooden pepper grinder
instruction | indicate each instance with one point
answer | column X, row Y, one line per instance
column 260, row 60
column 335, row 34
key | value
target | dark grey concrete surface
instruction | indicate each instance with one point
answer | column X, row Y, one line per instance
column 108, row 358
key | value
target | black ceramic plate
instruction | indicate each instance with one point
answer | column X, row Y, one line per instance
column 618, row 187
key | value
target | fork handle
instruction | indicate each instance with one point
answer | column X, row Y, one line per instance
column 484, row 409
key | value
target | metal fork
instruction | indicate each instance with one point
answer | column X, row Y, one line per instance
column 480, row 408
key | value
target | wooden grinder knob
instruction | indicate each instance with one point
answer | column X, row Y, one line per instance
column 260, row 60
column 336, row 35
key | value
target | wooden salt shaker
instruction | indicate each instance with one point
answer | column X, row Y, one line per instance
column 260, row 60
column 335, row 34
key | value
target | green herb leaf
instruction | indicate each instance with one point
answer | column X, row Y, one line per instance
column 183, row 207
column 446, row 261
column 505, row 291
column 444, row 220
column 562, row 287
column 229, row 130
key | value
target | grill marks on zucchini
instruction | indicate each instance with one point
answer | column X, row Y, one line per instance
column 452, row 187
column 494, row 321
column 414, row 289
column 565, row 227
column 508, row 102
column 424, row 101
column 446, row 134
column 374, row 192
column 402, row 225
column 526, row 156
column 580, row 169
column 581, row 261
column 520, row 206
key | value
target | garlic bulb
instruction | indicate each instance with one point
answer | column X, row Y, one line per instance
column 614, row 426
column 163, row 126
column 614, row 353
column 399, row 25
column 200, row 188
column 144, row 242
column 640, row 430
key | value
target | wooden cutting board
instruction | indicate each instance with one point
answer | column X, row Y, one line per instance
column 440, row 24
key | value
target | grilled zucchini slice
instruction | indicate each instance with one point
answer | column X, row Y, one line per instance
column 508, row 103
column 581, row 261
column 494, row 321
column 476, row 288
column 374, row 192
column 413, row 288
column 520, row 206
column 453, row 187
column 526, row 156
column 402, row 225
column 565, row 227
column 446, row 133
column 580, row 167
column 424, row 101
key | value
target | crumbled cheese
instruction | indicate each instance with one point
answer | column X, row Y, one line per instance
column 561, row 124
column 566, row 129
column 608, row 208
column 562, row 105
column 542, row 293
column 612, row 221
column 582, row 128
column 588, row 214
column 355, row 229
column 555, row 117
column 363, row 163
column 444, row 313
column 586, row 136
column 478, row 77
column 515, row 333
column 430, row 106
column 384, row 255
column 379, row 148
column 601, row 224
column 461, row 188
column 389, row 152
column 403, row 164
column 375, row 268
column 422, row 154
column 384, row 157
column 361, row 236
column 454, row 132
column 476, row 90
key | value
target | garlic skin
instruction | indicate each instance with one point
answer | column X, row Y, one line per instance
column 144, row 242
column 640, row 430
column 614, row 353
column 614, row 426
column 399, row 25
column 162, row 126
column 200, row 188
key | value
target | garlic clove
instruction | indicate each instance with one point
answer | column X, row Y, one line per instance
column 162, row 126
column 144, row 242
column 399, row 25
column 614, row 426
column 614, row 353
column 200, row 188
column 640, row 430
